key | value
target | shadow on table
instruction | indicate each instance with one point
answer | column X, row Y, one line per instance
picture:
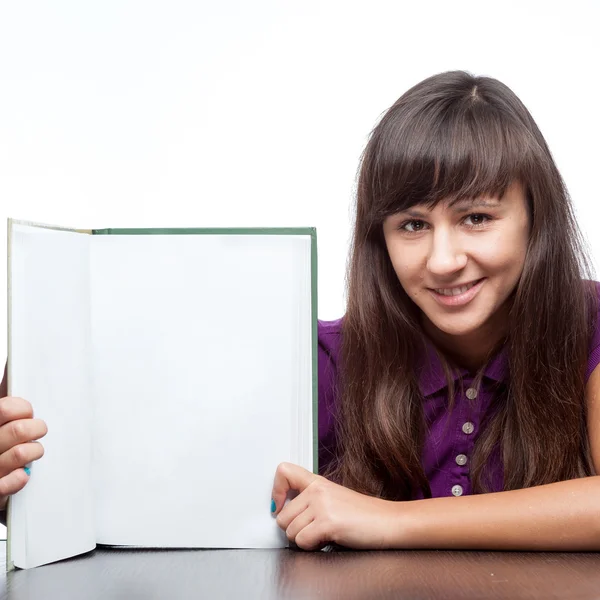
column 438, row 574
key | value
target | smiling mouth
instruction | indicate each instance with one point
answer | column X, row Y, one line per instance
column 456, row 291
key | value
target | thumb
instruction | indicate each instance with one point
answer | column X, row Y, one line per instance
column 289, row 477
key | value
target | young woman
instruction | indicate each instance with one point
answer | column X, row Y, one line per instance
column 466, row 361
column 458, row 396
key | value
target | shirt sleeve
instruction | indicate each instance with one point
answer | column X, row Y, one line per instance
column 594, row 355
column 4, row 384
column 329, row 341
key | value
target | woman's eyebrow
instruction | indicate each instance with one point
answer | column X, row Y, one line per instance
column 467, row 205
column 413, row 212
column 461, row 206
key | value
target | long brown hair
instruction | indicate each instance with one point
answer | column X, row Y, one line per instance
column 450, row 137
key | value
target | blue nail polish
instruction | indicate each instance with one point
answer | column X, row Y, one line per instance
column 273, row 506
column 27, row 470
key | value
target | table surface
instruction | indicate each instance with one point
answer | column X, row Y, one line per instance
column 130, row 574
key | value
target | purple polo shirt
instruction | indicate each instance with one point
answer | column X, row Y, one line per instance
column 451, row 438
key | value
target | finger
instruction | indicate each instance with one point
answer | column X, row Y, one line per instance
column 289, row 477
column 13, row 482
column 311, row 537
column 19, row 456
column 13, row 408
column 18, row 432
column 304, row 519
column 291, row 511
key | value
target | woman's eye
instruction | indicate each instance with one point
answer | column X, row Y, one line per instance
column 412, row 226
column 478, row 220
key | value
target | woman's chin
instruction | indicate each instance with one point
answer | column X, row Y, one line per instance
column 458, row 328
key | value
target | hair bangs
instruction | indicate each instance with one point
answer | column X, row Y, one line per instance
column 456, row 152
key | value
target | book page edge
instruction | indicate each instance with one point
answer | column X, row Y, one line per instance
column 12, row 222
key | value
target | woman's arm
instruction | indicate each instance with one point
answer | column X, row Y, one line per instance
column 557, row 516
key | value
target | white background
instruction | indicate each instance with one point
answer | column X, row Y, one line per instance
column 236, row 113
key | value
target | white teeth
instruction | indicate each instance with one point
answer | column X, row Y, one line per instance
column 455, row 291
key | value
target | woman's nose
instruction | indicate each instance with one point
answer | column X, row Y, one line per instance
column 446, row 255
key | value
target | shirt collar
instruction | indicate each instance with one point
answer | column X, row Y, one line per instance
column 431, row 374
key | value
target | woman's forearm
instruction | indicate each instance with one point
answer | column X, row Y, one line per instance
column 557, row 516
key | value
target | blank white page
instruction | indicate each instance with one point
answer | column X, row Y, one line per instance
column 200, row 346
column 49, row 351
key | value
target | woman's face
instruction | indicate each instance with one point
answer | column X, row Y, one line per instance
column 481, row 245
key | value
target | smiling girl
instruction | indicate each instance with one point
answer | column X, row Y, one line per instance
column 458, row 395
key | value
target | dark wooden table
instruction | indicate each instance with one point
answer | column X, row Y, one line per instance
column 248, row 574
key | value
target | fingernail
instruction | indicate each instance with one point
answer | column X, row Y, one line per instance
column 273, row 506
column 27, row 470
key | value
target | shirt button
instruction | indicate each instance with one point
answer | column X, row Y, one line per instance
column 468, row 427
column 471, row 393
column 461, row 460
column 457, row 490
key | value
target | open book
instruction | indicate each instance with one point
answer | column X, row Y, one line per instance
column 175, row 368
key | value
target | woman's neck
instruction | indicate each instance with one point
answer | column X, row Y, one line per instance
column 470, row 351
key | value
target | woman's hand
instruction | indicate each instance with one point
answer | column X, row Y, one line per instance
column 325, row 512
column 18, row 430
